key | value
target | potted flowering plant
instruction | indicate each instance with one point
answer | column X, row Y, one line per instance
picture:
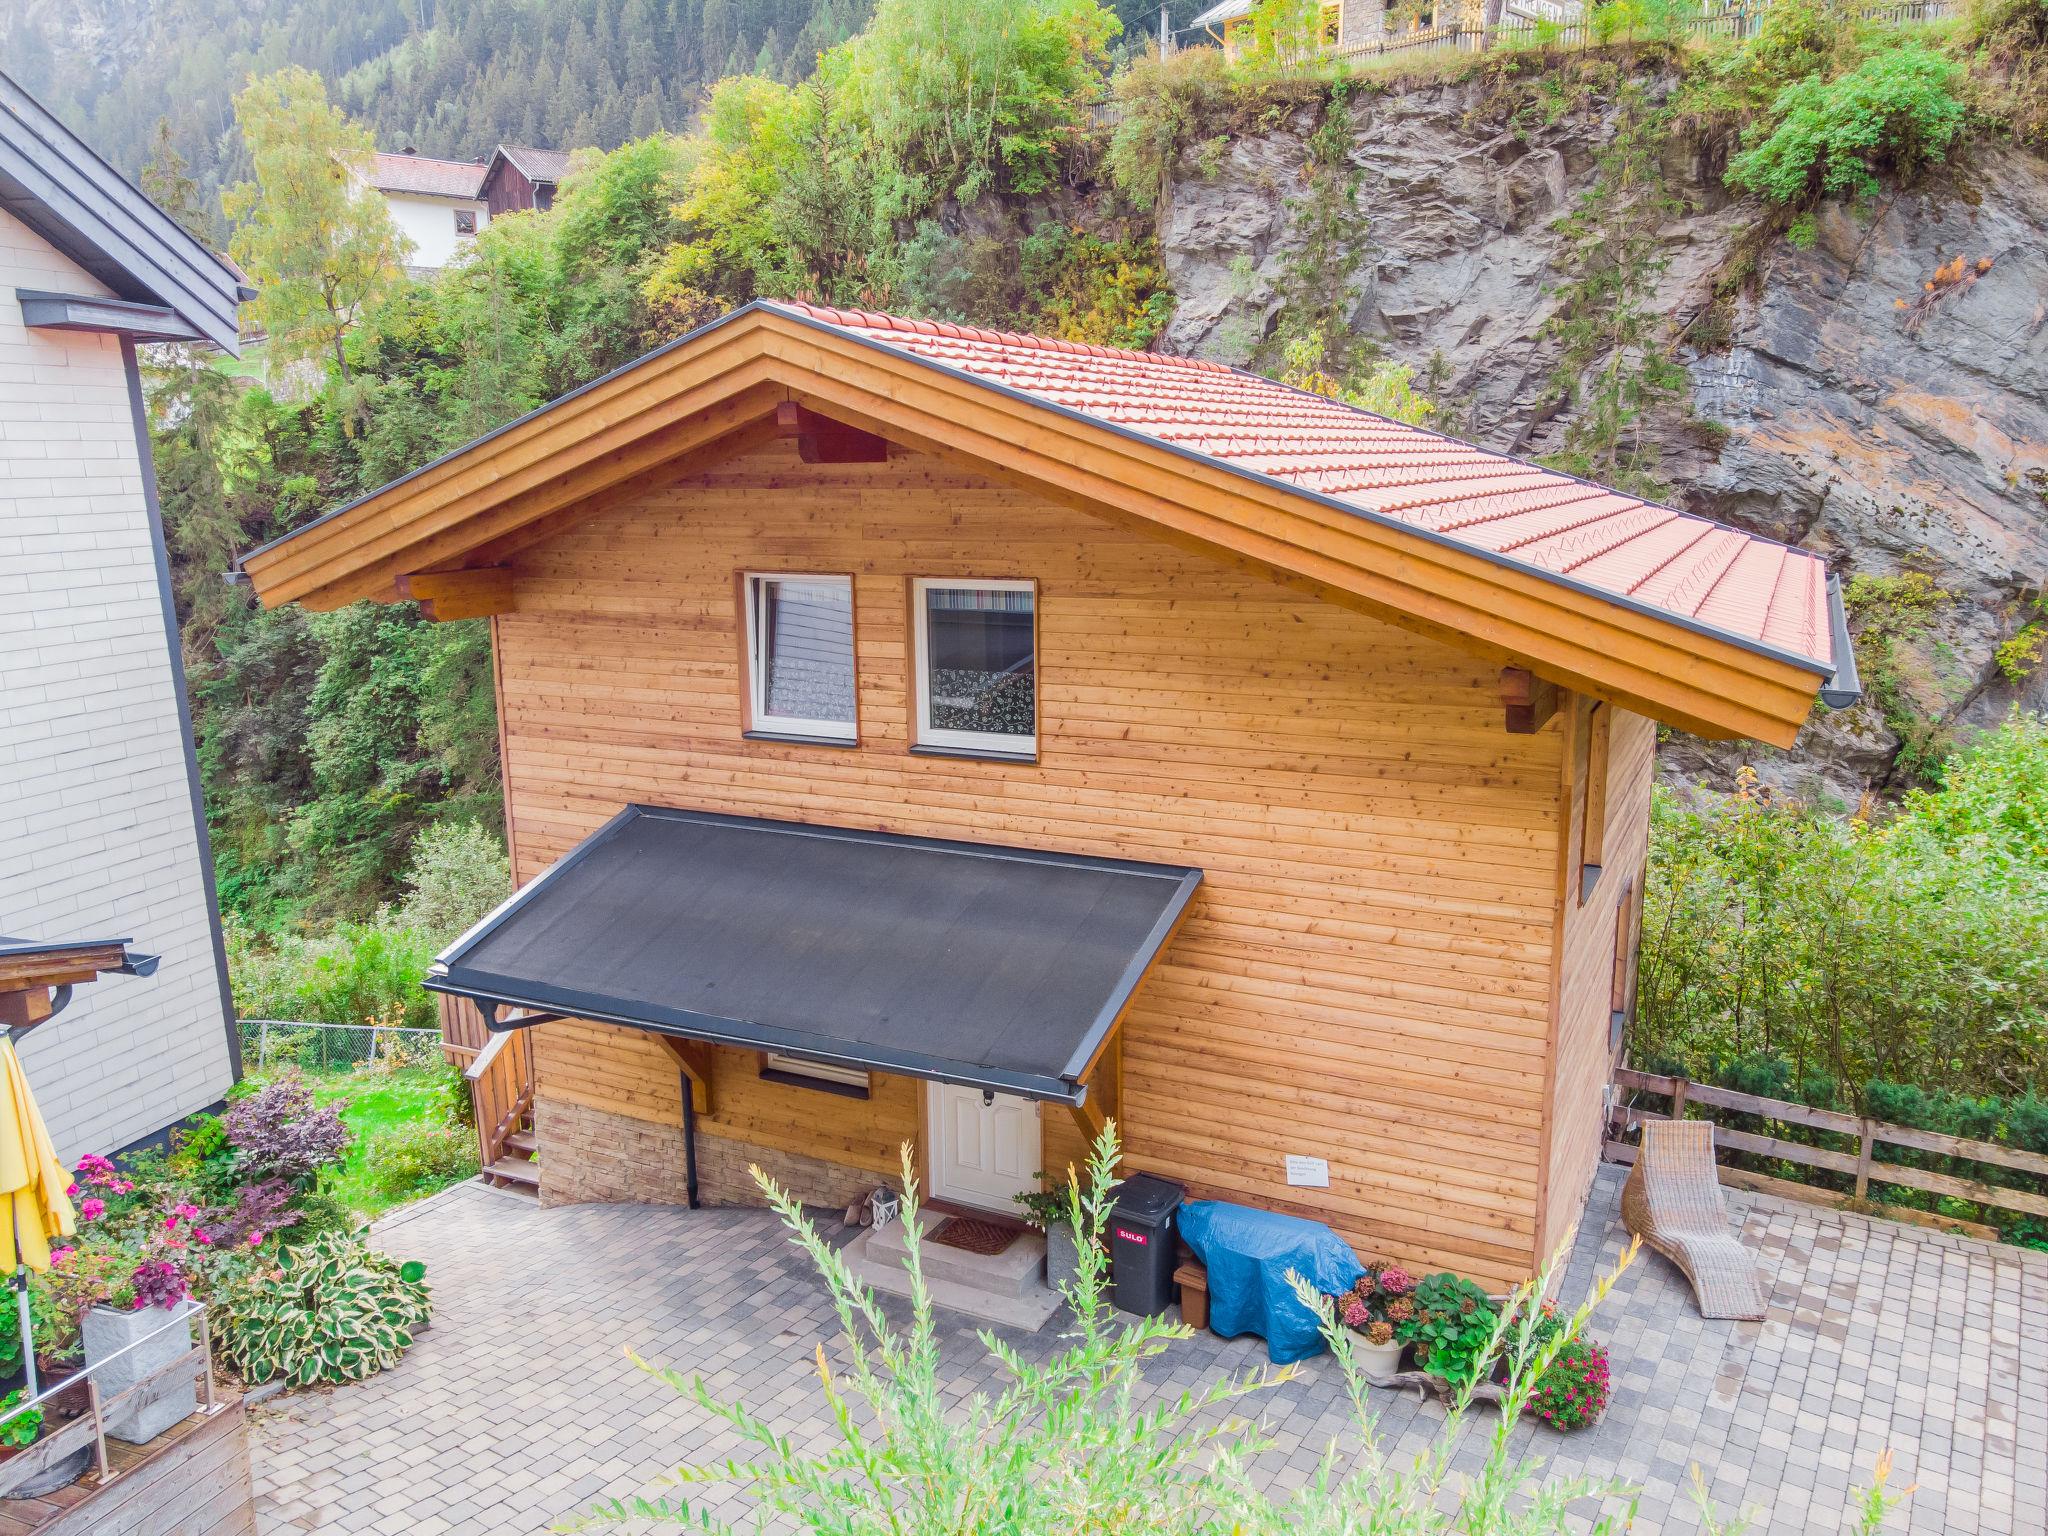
column 1376, row 1307
column 1572, row 1391
column 1052, row 1212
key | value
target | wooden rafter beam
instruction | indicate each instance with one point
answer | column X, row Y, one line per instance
column 1090, row 1118
column 821, row 440
column 462, row 594
column 1530, row 700
column 695, row 1058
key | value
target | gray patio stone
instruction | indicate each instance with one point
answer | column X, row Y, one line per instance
column 519, row 1405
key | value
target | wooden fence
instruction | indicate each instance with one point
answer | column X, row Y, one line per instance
column 1861, row 1167
column 1736, row 23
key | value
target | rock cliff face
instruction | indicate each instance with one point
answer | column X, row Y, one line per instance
column 1893, row 440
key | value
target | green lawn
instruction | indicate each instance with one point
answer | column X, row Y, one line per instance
column 390, row 1101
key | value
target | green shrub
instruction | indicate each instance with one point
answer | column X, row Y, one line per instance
column 1899, row 109
column 1165, row 107
column 413, row 1160
column 458, row 873
column 1912, row 952
column 328, row 1311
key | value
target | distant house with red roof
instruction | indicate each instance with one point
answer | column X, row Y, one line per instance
column 438, row 205
column 914, row 733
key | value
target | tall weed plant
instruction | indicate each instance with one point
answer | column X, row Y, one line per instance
column 1079, row 1445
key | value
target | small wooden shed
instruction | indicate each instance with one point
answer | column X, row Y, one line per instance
column 916, row 733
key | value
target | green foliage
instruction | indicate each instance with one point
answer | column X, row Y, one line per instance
column 25, row 1428
column 1612, row 362
column 1899, row 109
column 409, row 1161
column 315, row 248
column 1286, row 38
column 1453, row 1329
column 1063, row 1447
column 1165, row 106
column 325, row 1312
column 1888, row 615
column 459, row 872
column 1915, row 952
column 1572, row 1391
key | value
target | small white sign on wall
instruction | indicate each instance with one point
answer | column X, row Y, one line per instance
column 1308, row 1172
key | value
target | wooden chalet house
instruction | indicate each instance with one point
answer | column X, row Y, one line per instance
column 920, row 733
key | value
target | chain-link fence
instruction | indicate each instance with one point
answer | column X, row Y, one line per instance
column 271, row 1043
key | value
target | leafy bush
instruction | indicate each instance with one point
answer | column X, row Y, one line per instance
column 1914, row 952
column 1452, row 1328
column 419, row 1159
column 23, row 1429
column 1165, row 105
column 458, row 873
column 1900, row 108
column 327, row 1311
column 278, row 1132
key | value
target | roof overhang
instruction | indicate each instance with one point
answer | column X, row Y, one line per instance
column 115, row 317
column 1005, row 969
column 37, row 975
column 713, row 394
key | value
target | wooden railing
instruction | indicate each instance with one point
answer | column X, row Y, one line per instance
column 1861, row 1167
column 194, row 1364
column 498, row 1068
column 1736, row 22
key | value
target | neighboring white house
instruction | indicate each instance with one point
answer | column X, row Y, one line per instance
column 438, row 205
column 101, row 830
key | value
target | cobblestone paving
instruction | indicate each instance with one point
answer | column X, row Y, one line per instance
column 519, row 1405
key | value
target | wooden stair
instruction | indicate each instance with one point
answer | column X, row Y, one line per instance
column 515, row 1167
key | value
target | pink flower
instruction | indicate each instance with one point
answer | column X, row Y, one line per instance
column 1396, row 1281
column 71, row 1189
column 199, row 1236
column 255, row 1239
column 93, row 1208
column 61, row 1256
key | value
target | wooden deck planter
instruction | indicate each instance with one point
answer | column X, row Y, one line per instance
column 192, row 1480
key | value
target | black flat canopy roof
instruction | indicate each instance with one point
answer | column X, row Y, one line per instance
column 999, row 968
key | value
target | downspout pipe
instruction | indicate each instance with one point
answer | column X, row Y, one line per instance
column 689, row 1140
column 1845, row 688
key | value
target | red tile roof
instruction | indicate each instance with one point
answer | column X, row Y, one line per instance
column 427, row 177
column 1690, row 568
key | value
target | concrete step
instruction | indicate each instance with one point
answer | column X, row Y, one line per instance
column 1010, row 1273
column 1007, row 1288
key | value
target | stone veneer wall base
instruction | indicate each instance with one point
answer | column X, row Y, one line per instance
column 594, row 1155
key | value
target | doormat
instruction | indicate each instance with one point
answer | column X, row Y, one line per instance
column 975, row 1235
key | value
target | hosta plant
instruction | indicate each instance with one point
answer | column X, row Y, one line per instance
column 326, row 1311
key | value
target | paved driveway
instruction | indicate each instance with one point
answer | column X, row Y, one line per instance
column 519, row 1406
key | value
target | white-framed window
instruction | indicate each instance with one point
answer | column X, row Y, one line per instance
column 779, row 1067
column 977, row 665
column 800, row 672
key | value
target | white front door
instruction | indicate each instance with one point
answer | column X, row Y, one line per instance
column 982, row 1153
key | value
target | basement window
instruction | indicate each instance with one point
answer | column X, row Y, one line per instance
column 977, row 666
column 797, row 1072
column 800, row 677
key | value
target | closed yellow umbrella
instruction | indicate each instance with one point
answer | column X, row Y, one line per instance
column 32, row 1183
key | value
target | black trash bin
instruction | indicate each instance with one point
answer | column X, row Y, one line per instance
column 1141, row 1243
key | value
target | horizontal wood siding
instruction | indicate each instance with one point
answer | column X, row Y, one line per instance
column 1586, row 972
column 1365, row 975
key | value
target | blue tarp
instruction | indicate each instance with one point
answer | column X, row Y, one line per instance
column 1248, row 1254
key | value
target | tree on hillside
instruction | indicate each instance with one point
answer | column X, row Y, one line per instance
column 317, row 248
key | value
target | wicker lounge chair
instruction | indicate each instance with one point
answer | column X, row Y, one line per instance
column 1673, row 1202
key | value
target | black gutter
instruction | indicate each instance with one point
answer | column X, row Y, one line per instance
column 1381, row 519
column 118, row 317
column 188, row 741
column 1844, row 690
